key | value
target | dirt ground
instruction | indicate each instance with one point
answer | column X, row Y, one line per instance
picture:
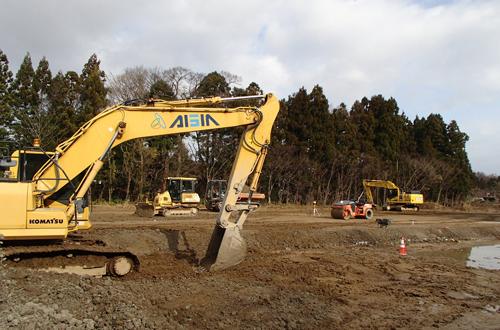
column 300, row 272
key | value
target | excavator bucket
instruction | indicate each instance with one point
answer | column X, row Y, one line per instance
column 227, row 248
column 144, row 209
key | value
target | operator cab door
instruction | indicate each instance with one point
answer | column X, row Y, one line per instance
column 174, row 189
column 177, row 187
column 187, row 187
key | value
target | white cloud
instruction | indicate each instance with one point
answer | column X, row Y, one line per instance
column 431, row 56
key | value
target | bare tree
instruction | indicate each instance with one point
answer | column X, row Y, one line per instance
column 132, row 84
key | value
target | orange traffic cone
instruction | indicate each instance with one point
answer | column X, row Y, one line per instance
column 402, row 248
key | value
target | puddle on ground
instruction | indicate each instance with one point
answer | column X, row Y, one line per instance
column 483, row 256
column 486, row 257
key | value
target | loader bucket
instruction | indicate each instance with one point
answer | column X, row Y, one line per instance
column 227, row 248
column 145, row 210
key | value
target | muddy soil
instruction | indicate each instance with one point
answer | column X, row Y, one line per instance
column 301, row 272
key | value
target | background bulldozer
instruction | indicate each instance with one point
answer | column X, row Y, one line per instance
column 179, row 198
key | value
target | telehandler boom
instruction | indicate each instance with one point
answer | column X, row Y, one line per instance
column 46, row 205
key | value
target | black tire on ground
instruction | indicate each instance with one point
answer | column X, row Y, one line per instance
column 369, row 214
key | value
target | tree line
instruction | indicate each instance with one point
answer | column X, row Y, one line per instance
column 318, row 152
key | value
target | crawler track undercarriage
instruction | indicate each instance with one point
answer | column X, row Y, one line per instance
column 73, row 255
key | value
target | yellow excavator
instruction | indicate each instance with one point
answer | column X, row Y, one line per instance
column 44, row 194
column 397, row 198
column 179, row 198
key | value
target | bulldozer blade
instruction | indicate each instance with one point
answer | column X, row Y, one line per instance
column 227, row 248
column 145, row 210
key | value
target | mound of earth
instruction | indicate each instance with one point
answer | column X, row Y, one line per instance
column 300, row 272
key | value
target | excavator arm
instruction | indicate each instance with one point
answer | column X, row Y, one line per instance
column 376, row 184
column 87, row 148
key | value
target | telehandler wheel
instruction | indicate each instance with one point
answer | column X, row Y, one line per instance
column 368, row 214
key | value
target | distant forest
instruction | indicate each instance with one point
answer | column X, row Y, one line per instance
column 319, row 152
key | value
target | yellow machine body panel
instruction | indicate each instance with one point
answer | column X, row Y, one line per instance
column 47, row 218
column 165, row 200
column 21, row 220
column 407, row 198
column 15, row 203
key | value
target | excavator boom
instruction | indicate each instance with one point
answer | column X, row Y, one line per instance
column 39, row 212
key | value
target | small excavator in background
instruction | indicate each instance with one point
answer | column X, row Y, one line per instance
column 397, row 198
column 179, row 198
column 216, row 191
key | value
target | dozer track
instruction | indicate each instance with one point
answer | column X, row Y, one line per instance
column 89, row 257
column 147, row 210
column 180, row 211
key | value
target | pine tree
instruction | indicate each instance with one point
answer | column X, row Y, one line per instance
column 6, row 80
column 213, row 84
column 160, row 89
column 33, row 116
column 93, row 91
column 63, row 96
column 363, row 121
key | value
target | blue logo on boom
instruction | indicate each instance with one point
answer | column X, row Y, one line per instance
column 193, row 121
column 199, row 120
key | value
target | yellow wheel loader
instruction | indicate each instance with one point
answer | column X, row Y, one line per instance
column 44, row 194
column 179, row 199
column 397, row 198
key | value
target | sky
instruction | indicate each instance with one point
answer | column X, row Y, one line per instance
column 440, row 57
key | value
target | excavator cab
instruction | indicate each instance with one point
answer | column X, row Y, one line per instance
column 9, row 159
column 393, row 193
